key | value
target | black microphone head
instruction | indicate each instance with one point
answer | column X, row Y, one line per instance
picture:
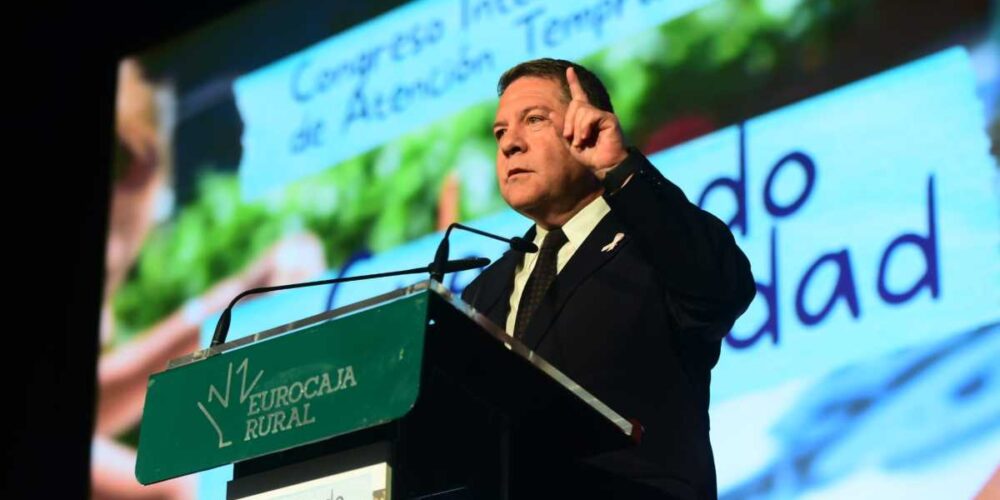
column 523, row 245
column 459, row 265
column 475, row 262
column 454, row 266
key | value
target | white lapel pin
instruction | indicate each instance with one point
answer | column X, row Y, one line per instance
column 614, row 243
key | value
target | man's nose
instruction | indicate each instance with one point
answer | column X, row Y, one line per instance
column 512, row 143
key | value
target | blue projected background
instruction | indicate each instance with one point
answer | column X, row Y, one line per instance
column 860, row 178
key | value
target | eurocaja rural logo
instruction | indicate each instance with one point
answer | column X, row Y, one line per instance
column 267, row 407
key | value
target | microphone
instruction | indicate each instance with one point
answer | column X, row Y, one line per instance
column 449, row 266
column 441, row 255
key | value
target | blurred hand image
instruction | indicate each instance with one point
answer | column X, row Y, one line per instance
column 140, row 182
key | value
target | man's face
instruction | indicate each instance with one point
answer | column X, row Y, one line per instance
column 537, row 174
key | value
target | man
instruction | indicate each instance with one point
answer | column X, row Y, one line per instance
column 633, row 288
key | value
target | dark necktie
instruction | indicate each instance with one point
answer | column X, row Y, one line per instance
column 538, row 283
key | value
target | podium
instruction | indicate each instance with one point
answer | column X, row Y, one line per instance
column 411, row 394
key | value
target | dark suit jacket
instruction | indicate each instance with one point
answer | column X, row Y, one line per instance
column 640, row 326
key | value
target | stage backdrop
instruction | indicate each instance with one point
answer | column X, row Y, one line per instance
column 850, row 145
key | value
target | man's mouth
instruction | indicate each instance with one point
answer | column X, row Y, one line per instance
column 516, row 171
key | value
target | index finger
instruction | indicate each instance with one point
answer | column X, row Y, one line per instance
column 576, row 91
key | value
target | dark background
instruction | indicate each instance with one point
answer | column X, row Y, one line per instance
column 59, row 78
column 59, row 85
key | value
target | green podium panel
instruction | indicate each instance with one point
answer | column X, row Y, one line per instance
column 327, row 379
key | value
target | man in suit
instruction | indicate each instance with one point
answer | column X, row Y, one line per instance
column 632, row 291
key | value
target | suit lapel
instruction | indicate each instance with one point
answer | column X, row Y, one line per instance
column 585, row 261
column 493, row 297
column 497, row 283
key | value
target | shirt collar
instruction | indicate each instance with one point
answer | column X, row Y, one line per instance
column 578, row 227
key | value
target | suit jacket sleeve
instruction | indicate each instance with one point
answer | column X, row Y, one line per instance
column 707, row 277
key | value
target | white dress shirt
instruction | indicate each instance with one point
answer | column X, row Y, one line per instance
column 576, row 229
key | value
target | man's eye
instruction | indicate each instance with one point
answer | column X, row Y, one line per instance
column 535, row 118
column 498, row 133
